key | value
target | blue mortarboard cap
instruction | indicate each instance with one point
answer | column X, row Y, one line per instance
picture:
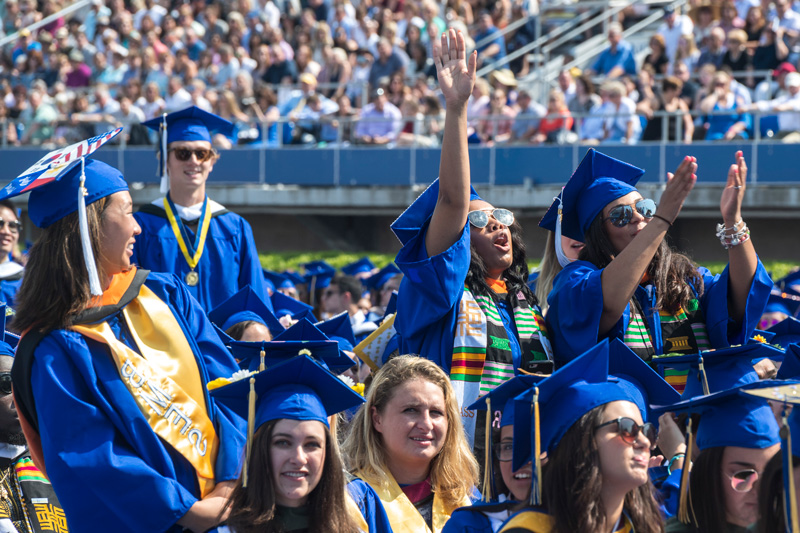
column 279, row 281
column 243, row 306
column 791, row 280
column 786, row 332
column 502, row 397
column 269, row 285
column 318, row 274
column 191, row 124
column 410, row 221
column 391, row 307
column 286, row 305
column 643, row 383
column 725, row 368
column 296, row 389
column 786, row 301
column 564, row 397
column 790, row 366
column 759, row 335
column 732, row 418
column 294, row 277
column 339, row 329
column 379, row 279
column 363, row 265
column 598, row 180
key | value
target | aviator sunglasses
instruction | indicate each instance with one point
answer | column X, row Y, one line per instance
column 480, row 219
column 629, row 430
column 184, row 154
column 621, row 215
column 743, row 480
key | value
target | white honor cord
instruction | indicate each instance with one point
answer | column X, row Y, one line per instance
column 164, row 177
column 86, row 243
column 563, row 260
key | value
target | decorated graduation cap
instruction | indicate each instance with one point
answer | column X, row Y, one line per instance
column 598, row 180
column 727, row 418
column 339, row 329
column 380, row 278
column 717, row 370
column 546, row 411
column 301, row 336
column 286, row 305
column 378, row 346
column 245, row 306
column 65, row 181
column 362, row 266
column 502, row 399
column 278, row 280
column 296, row 389
column 785, row 332
column 410, row 221
column 643, row 383
column 190, row 124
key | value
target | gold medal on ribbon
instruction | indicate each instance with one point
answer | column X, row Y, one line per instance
column 191, row 251
column 192, row 278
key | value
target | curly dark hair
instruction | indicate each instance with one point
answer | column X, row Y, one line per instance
column 670, row 271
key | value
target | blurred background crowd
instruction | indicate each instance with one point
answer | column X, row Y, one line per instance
column 316, row 72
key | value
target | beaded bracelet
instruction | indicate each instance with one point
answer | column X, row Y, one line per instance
column 729, row 240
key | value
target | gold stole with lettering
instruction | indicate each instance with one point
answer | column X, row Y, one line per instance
column 164, row 380
column 403, row 516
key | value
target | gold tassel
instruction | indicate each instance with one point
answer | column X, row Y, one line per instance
column 262, row 365
column 683, row 508
column 251, row 423
column 704, row 378
column 487, row 468
column 791, row 508
column 536, row 488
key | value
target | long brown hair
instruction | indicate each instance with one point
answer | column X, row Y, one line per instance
column 56, row 284
column 669, row 270
column 770, row 495
column 706, row 494
column 573, row 485
column 253, row 508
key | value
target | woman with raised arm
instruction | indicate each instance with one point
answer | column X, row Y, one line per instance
column 629, row 284
column 463, row 302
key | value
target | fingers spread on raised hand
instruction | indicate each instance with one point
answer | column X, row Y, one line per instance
column 462, row 46
column 445, row 49
column 472, row 65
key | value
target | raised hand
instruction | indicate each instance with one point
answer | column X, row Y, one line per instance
column 456, row 74
column 730, row 204
column 679, row 185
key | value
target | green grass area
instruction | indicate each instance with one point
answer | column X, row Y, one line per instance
column 292, row 261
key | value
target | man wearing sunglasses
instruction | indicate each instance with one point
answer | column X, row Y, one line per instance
column 10, row 271
column 209, row 248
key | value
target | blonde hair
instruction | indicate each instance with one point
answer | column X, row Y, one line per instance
column 548, row 270
column 453, row 472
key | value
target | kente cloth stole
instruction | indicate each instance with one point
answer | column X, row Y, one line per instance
column 482, row 357
column 164, row 380
column 683, row 332
column 42, row 508
column 403, row 516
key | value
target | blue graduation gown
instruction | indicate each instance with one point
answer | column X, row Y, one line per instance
column 474, row 519
column 370, row 506
column 429, row 298
column 576, row 303
column 8, row 291
column 109, row 469
column 229, row 261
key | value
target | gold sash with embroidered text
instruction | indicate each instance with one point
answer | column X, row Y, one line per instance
column 164, row 380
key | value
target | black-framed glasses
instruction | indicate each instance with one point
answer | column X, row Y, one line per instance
column 504, row 451
column 629, row 430
column 202, row 154
column 743, row 480
column 621, row 215
column 14, row 226
column 480, row 218
column 5, row 383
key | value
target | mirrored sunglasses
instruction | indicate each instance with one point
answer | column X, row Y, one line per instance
column 744, row 480
column 184, row 154
column 5, row 383
column 621, row 215
column 480, row 219
column 629, row 430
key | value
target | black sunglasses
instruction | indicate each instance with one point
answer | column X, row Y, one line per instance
column 13, row 225
column 480, row 218
column 202, row 154
column 5, row 383
column 621, row 215
column 629, row 430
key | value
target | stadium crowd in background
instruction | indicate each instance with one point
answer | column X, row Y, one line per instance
column 315, row 65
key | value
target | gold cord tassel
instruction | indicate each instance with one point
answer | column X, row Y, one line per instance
column 704, row 378
column 536, row 486
column 487, row 469
column 683, row 508
column 262, row 365
column 251, row 423
column 790, row 501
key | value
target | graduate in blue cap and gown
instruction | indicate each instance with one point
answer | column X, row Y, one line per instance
column 185, row 232
column 110, row 375
column 464, row 302
column 361, row 269
column 381, row 285
column 245, row 317
column 628, row 283
column 11, row 272
column 293, row 479
column 598, row 452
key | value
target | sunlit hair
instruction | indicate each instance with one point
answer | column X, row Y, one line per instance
column 253, row 508
column 56, row 284
column 453, row 472
column 573, row 485
column 548, row 269
column 670, row 272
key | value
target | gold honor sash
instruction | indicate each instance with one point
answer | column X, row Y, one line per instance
column 164, row 381
column 403, row 516
column 355, row 512
column 177, row 228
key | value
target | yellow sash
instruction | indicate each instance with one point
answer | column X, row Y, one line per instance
column 355, row 512
column 541, row 522
column 176, row 225
column 403, row 516
column 164, row 380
